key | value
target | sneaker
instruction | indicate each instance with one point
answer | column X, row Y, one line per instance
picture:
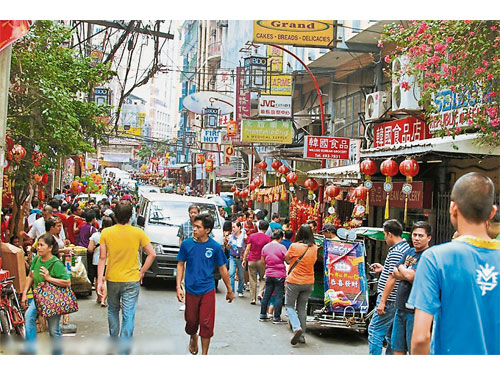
column 266, row 319
column 279, row 321
column 296, row 336
column 240, row 294
column 182, row 308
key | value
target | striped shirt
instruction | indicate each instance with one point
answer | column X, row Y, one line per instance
column 393, row 257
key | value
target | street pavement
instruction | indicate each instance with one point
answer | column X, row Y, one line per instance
column 159, row 329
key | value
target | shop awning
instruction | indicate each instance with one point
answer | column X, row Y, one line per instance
column 348, row 173
column 117, row 158
column 461, row 144
column 179, row 166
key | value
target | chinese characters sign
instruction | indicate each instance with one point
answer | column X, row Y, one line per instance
column 396, row 196
column 403, row 131
column 320, row 147
column 242, row 102
column 274, row 59
column 279, row 132
column 275, row 106
column 345, row 281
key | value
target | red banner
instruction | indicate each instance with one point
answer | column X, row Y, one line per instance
column 12, row 30
column 396, row 196
column 407, row 130
column 326, row 147
column 242, row 103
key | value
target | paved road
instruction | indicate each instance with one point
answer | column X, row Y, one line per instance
column 159, row 329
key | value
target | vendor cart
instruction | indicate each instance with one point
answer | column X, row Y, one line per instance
column 80, row 282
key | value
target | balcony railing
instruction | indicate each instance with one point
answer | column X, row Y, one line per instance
column 214, row 49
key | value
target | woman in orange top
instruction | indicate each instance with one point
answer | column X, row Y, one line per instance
column 300, row 280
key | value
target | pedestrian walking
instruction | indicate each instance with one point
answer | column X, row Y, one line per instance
column 301, row 256
column 252, row 256
column 119, row 247
column 197, row 259
column 236, row 244
column 45, row 267
column 273, row 256
column 421, row 235
column 455, row 292
column 380, row 326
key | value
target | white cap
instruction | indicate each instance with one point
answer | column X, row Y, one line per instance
column 108, row 212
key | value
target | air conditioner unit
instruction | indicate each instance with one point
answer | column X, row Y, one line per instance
column 401, row 97
column 376, row 105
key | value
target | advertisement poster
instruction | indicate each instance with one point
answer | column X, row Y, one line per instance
column 345, row 276
column 264, row 131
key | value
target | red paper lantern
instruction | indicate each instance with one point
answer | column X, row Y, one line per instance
column 236, row 193
column 291, row 177
column 276, row 164
column 409, row 168
column 45, row 178
column 389, row 168
column 283, row 169
column 368, row 167
column 233, row 188
column 257, row 182
column 311, row 184
column 360, row 192
column 252, row 186
column 244, row 193
column 332, row 191
column 262, row 165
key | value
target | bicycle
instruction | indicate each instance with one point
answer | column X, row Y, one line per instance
column 11, row 312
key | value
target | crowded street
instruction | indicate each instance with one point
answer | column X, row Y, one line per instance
column 224, row 187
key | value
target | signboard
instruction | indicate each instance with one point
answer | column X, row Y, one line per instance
column 190, row 138
column 407, row 130
column 224, row 81
column 263, row 131
column 454, row 109
column 225, row 170
column 320, row 147
column 274, row 59
column 275, row 106
column 12, row 30
column 280, row 85
column 242, row 102
column 297, row 33
column 396, row 196
column 210, row 136
column 345, row 283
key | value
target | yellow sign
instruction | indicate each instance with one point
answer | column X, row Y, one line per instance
column 297, row 33
column 274, row 59
column 132, row 130
column 279, row 85
column 262, row 131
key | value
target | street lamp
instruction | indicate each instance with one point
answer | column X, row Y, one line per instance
column 255, row 68
column 210, row 117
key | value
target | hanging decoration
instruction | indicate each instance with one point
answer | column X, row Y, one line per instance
column 200, row 158
column 283, row 170
column 312, row 185
column 18, row 152
column 388, row 168
column 232, row 128
column 408, row 168
column 275, row 165
column 360, row 194
column 234, row 188
column 331, row 192
column 209, row 165
column 292, row 179
column 368, row 167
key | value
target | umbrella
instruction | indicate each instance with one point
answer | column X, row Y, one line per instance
column 228, row 199
column 219, row 201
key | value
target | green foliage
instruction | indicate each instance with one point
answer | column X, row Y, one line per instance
column 48, row 108
column 461, row 57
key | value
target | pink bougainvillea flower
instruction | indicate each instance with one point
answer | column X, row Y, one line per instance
column 467, row 21
column 492, row 111
column 485, row 63
column 449, row 39
column 422, row 28
column 494, row 122
column 489, row 76
column 387, row 59
column 380, row 44
column 479, row 70
column 440, row 47
column 405, row 86
column 493, row 28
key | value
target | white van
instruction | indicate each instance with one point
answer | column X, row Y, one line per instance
column 160, row 215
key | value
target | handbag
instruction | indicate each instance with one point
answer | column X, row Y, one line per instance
column 51, row 300
column 297, row 261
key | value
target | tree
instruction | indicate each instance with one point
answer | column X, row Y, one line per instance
column 49, row 112
column 461, row 57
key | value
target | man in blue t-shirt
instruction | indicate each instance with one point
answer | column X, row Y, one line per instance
column 456, row 283
column 202, row 254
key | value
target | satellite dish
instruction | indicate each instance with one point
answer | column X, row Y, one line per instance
column 199, row 100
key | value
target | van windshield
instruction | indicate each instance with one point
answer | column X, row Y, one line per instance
column 176, row 213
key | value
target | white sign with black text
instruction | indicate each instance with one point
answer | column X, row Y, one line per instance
column 275, row 106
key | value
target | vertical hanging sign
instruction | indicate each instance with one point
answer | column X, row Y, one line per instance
column 242, row 103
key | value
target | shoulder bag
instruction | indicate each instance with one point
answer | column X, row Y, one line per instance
column 51, row 300
column 297, row 261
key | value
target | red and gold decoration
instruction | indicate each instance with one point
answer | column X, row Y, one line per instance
column 232, row 128
column 388, row 168
column 200, row 158
column 331, row 192
column 409, row 168
column 368, row 167
column 234, row 188
column 300, row 213
column 209, row 165
column 311, row 185
column 360, row 194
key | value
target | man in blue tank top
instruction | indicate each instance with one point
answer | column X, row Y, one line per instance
column 456, row 283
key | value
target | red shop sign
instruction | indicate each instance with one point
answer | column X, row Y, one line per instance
column 396, row 196
column 326, row 147
column 407, row 130
column 12, row 30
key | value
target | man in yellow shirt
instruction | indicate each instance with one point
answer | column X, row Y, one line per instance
column 119, row 246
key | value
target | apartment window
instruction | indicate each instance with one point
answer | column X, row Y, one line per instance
column 356, row 26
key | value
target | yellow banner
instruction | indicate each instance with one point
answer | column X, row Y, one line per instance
column 296, row 32
column 279, row 85
column 262, row 131
column 274, row 59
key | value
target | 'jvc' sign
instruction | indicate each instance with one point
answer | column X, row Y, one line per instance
column 275, row 106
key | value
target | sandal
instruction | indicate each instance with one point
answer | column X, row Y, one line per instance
column 104, row 304
column 195, row 350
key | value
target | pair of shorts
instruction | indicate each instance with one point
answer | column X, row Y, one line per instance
column 200, row 313
column 402, row 330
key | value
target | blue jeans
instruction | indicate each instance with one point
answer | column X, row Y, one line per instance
column 54, row 330
column 235, row 264
column 402, row 331
column 128, row 294
column 296, row 298
column 276, row 285
column 380, row 327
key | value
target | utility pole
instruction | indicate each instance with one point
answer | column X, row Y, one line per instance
column 5, row 57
